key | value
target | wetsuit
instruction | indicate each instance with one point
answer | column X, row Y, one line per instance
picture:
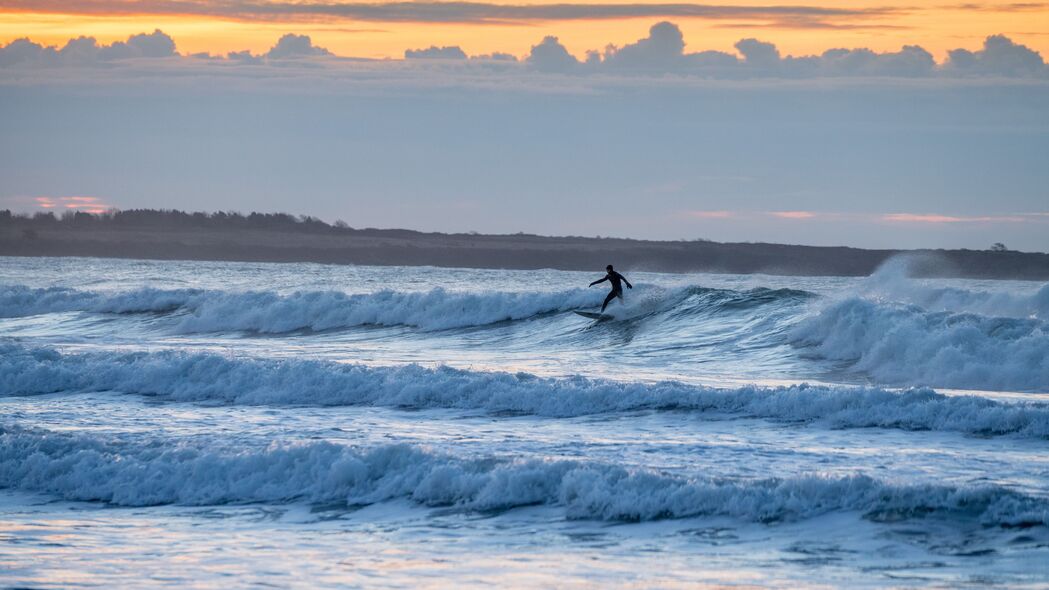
column 617, row 281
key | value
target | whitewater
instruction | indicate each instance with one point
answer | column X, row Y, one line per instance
column 197, row 424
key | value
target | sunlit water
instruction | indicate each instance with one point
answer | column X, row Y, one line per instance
column 298, row 425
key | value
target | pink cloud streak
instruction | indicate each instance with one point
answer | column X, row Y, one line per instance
column 793, row 214
column 935, row 218
column 85, row 204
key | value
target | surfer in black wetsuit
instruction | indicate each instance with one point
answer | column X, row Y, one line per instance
column 617, row 281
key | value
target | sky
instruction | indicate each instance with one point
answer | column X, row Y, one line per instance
column 826, row 123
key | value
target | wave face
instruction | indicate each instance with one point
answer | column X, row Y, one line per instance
column 269, row 312
column 212, row 378
column 437, row 309
column 21, row 301
column 908, row 345
column 89, row 468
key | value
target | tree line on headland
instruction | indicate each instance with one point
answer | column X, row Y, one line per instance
column 281, row 237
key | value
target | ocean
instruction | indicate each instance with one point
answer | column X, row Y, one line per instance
column 221, row 424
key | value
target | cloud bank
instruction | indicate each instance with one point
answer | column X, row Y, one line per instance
column 662, row 52
column 87, row 51
column 798, row 16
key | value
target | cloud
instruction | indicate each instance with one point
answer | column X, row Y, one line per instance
column 550, row 56
column 86, row 50
column 905, row 218
column 244, row 57
column 1000, row 56
column 1012, row 7
column 446, row 12
column 292, row 46
column 495, row 56
column 155, row 44
column 86, row 204
column 662, row 49
column 937, row 218
column 660, row 53
column 758, row 53
column 793, row 214
column 910, row 61
column 450, row 52
column 24, row 51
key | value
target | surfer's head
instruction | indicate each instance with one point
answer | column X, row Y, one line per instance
column 609, row 268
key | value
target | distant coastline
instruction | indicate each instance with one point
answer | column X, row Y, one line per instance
column 175, row 235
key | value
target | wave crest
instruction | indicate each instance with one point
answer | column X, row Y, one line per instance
column 902, row 344
column 90, row 468
column 212, row 378
column 892, row 282
column 274, row 313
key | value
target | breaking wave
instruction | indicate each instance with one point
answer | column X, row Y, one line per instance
column 270, row 312
column 213, row 378
column 273, row 313
column 892, row 283
column 900, row 344
column 904, row 344
column 132, row 473
column 20, row 301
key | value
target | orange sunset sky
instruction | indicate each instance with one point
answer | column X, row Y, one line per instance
column 386, row 29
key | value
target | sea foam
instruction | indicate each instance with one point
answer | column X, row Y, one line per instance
column 214, row 378
column 905, row 344
column 891, row 282
column 141, row 473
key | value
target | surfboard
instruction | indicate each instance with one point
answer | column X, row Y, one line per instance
column 594, row 315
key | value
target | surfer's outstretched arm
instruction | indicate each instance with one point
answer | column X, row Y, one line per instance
column 598, row 281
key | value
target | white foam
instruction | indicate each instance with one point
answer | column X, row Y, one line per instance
column 891, row 283
column 205, row 377
column 900, row 344
column 140, row 473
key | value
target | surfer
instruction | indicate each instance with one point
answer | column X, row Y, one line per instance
column 617, row 281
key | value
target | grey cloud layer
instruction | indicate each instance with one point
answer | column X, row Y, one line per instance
column 661, row 52
column 459, row 12
column 86, row 51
